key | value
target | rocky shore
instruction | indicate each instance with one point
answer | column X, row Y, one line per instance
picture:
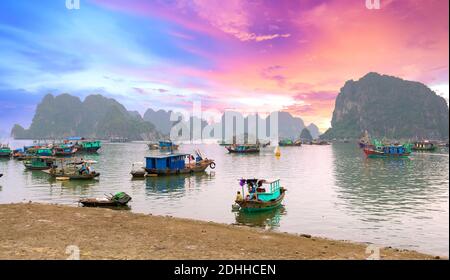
column 44, row 231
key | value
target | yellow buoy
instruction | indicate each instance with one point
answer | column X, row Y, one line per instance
column 277, row 151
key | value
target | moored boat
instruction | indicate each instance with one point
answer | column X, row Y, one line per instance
column 5, row 151
column 175, row 163
column 167, row 145
column 83, row 145
column 261, row 194
column 38, row 163
column 153, row 146
column 73, row 170
column 118, row 199
column 138, row 170
column 392, row 150
column 424, row 146
column 64, row 150
column 243, row 148
column 18, row 154
column 289, row 143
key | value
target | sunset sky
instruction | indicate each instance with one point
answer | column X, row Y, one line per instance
column 242, row 55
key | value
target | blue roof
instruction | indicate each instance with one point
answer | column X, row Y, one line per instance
column 168, row 155
column 75, row 138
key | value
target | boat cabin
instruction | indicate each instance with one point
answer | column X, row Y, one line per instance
column 265, row 190
column 163, row 162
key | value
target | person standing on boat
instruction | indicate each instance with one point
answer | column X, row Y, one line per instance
column 239, row 196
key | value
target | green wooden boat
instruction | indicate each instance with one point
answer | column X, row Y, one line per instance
column 5, row 151
column 426, row 146
column 38, row 163
column 262, row 195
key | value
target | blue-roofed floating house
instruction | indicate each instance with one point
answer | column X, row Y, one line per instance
column 176, row 163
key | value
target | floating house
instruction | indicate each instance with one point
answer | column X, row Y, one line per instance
column 175, row 163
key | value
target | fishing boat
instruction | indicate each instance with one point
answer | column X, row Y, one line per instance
column 119, row 140
column 118, row 199
column 289, row 143
column 391, row 150
column 177, row 163
column 39, row 163
column 243, row 148
column 18, row 154
column 138, row 170
column 64, row 150
column 73, row 170
column 83, row 145
column 261, row 195
column 5, row 151
column 424, row 146
column 364, row 141
column 167, row 145
column 153, row 146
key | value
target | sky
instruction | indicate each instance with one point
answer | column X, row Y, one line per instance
column 249, row 56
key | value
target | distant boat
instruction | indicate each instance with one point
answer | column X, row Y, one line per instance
column 364, row 141
column 64, row 150
column 175, row 163
column 167, row 145
column 261, row 195
column 119, row 140
column 381, row 150
column 424, row 146
column 83, row 145
column 73, row 170
column 243, row 148
column 39, row 163
column 289, row 143
column 18, row 153
column 5, row 151
column 138, row 170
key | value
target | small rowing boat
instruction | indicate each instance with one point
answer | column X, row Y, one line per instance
column 138, row 170
column 243, row 148
column 119, row 199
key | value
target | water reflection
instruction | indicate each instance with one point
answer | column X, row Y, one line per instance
column 383, row 187
column 264, row 219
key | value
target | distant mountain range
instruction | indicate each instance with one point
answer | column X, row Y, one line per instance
column 289, row 127
column 388, row 107
column 95, row 117
column 104, row 118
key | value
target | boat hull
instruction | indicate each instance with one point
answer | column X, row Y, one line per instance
column 256, row 205
column 73, row 176
column 246, row 151
column 99, row 203
column 192, row 168
column 378, row 154
column 91, row 150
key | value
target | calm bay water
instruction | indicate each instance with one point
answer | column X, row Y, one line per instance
column 333, row 191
